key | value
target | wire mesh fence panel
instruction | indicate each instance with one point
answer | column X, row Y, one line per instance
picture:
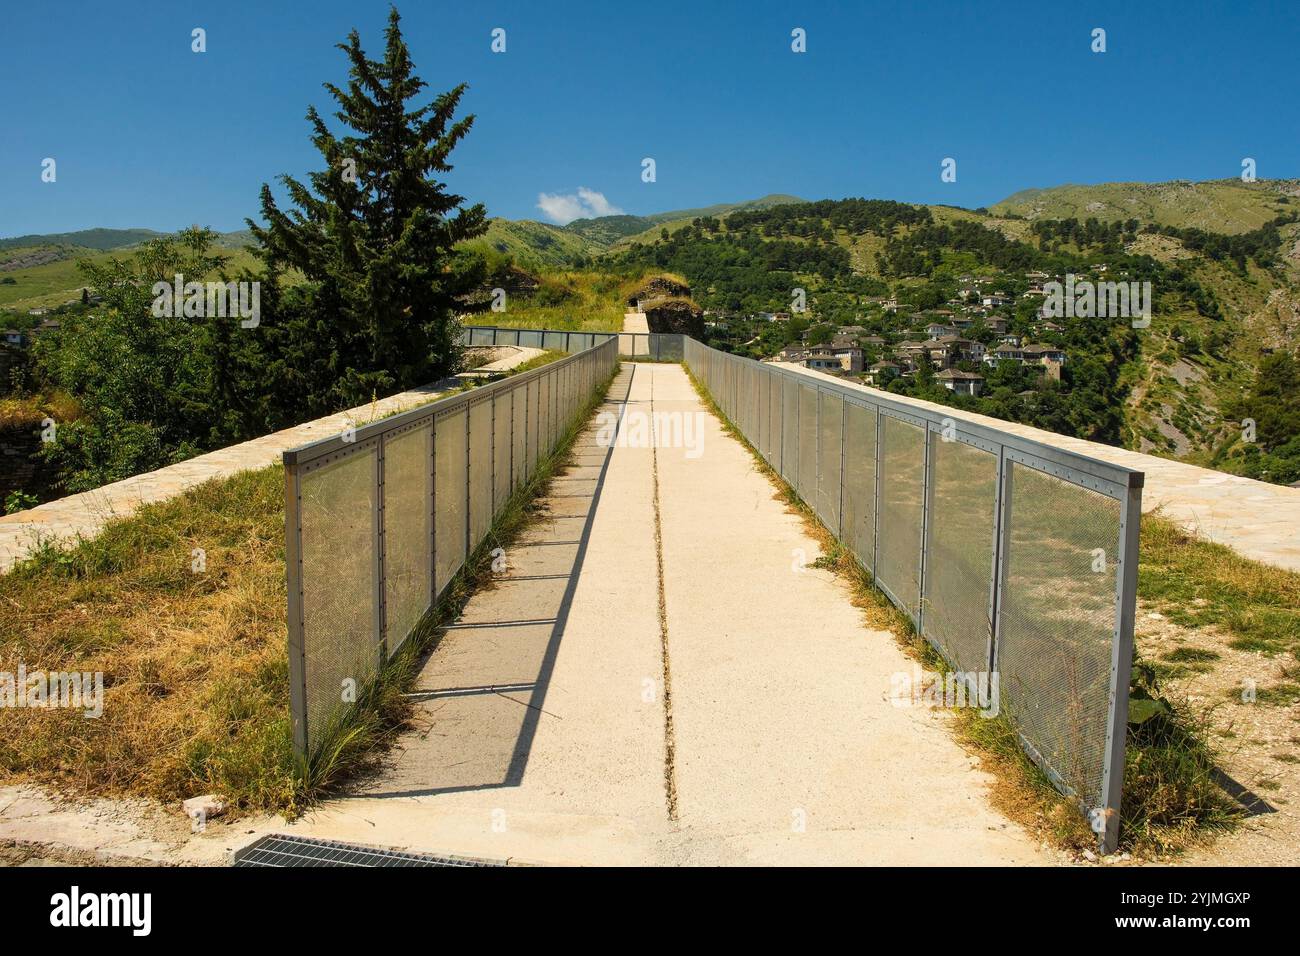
column 501, row 428
column 450, row 466
column 754, row 393
column 340, row 582
column 807, row 484
column 1057, row 623
column 772, row 412
column 554, row 341
column 958, row 616
column 519, row 437
column 534, row 424
column 408, row 559
column 531, row 338
column 669, row 347
column 902, row 510
column 480, row 469
column 568, row 374
column 552, row 404
column 378, row 522
column 829, row 447
column 790, row 432
column 543, row 418
column 858, row 522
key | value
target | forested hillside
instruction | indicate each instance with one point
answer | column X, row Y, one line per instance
column 1223, row 304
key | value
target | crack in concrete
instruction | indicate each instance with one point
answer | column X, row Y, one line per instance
column 670, row 739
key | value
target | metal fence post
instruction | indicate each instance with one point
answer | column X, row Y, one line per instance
column 927, row 491
column 468, row 546
column 875, row 505
column 433, row 510
column 293, row 583
column 1006, row 475
column 995, row 574
column 839, row 506
column 1121, row 666
column 381, row 589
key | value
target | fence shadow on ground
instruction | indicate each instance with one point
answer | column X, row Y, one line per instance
column 482, row 687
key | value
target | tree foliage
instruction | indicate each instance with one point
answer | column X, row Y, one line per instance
column 375, row 232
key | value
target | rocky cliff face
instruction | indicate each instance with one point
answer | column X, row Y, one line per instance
column 675, row 315
column 660, row 287
column 668, row 306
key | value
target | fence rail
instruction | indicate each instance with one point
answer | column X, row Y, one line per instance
column 657, row 346
column 1015, row 560
column 380, row 518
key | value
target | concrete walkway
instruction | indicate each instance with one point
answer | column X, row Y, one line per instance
column 657, row 678
column 635, row 322
column 85, row 514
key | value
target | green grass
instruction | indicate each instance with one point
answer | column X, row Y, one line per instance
column 534, row 245
column 55, row 283
column 1197, row 583
column 194, row 664
column 537, row 361
column 579, row 301
column 1224, row 205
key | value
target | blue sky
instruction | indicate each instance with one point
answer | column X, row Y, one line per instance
column 147, row 133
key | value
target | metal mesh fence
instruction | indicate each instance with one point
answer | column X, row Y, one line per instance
column 380, row 520
column 519, row 470
column 408, row 555
column 450, row 465
column 829, row 450
column 858, row 522
column 957, row 612
column 480, row 467
column 992, row 543
column 655, row 346
column 807, row 435
column 338, row 501
column 502, row 422
column 902, row 507
column 1057, row 622
column 790, row 431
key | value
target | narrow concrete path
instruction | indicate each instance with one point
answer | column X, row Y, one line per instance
column 635, row 322
column 552, row 726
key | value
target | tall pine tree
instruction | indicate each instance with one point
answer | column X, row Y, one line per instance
column 374, row 236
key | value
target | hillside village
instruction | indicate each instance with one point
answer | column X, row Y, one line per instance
column 983, row 327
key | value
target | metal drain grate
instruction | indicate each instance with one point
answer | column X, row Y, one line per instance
column 280, row 850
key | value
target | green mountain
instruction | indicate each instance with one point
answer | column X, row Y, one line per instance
column 535, row 245
column 604, row 231
column 1223, row 302
column 722, row 209
column 1226, row 206
column 98, row 239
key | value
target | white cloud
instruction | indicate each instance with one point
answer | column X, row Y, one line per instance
column 563, row 208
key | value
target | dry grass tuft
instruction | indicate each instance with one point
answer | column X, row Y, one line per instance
column 193, row 662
